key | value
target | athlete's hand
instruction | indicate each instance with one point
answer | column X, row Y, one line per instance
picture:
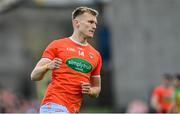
column 86, row 87
column 158, row 107
column 54, row 64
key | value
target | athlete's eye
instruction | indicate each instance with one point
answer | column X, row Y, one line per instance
column 92, row 22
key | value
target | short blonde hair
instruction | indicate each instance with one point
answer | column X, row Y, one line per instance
column 81, row 10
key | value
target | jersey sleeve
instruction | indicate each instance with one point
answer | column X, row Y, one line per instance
column 97, row 69
column 50, row 51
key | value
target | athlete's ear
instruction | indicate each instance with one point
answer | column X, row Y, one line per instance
column 75, row 23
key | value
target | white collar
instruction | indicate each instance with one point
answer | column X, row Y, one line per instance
column 78, row 42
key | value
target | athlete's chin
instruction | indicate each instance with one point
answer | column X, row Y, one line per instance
column 90, row 36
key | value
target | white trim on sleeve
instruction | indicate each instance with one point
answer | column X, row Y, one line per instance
column 95, row 76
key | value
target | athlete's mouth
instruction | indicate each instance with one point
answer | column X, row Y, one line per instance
column 91, row 31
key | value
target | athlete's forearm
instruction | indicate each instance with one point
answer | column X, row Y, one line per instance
column 94, row 91
column 154, row 103
column 39, row 72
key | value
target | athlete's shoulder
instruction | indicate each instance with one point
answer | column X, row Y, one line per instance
column 94, row 50
column 160, row 88
column 60, row 40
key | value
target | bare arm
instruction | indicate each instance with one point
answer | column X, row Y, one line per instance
column 93, row 88
column 43, row 66
column 155, row 104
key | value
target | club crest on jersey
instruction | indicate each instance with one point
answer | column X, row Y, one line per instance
column 79, row 65
column 91, row 55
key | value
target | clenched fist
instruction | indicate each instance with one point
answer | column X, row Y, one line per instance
column 54, row 64
column 86, row 87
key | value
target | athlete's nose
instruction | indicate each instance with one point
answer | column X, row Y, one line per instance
column 94, row 26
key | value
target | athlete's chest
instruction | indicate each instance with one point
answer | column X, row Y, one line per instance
column 77, row 56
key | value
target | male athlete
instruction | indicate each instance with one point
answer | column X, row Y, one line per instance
column 75, row 64
column 162, row 99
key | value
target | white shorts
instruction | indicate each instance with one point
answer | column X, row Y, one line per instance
column 53, row 108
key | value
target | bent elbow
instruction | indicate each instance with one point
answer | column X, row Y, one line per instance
column 34, row 78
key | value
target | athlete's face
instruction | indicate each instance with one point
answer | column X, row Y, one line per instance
column 87, row 25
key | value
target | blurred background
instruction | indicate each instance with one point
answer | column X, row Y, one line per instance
column 138, row 40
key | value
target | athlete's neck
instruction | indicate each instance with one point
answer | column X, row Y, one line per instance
column 79, row 40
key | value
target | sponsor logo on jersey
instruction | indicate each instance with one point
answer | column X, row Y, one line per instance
column 79, row 65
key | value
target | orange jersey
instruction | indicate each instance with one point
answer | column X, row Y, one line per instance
column 165, row 97
column 79, row 63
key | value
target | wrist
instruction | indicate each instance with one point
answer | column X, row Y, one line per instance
column 93, row 93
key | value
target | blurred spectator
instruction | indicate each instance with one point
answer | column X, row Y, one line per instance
column 10, row 103
column 176, row 96
column 137, row 106
column 161, row 99
column 29, row 106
